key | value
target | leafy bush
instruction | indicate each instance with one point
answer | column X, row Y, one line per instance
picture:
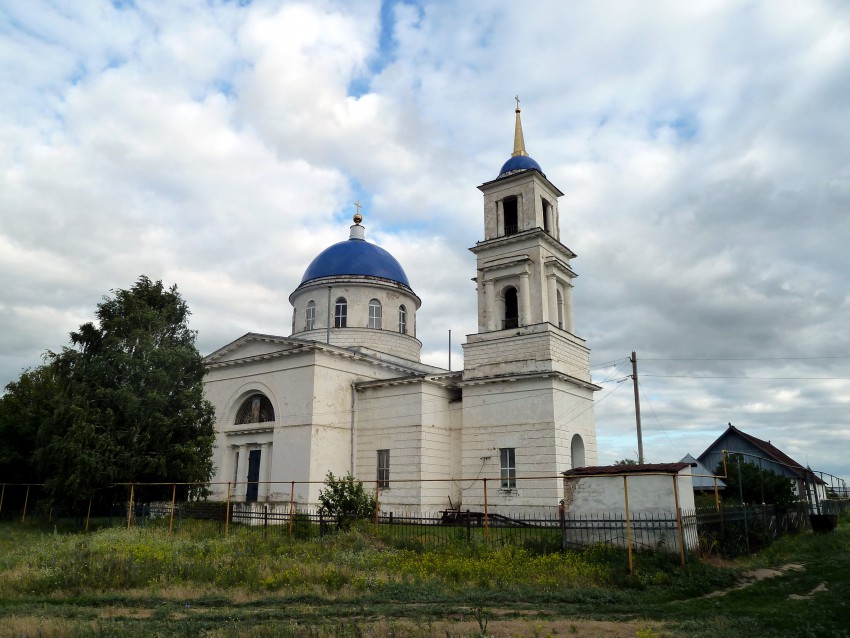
column 345, row 500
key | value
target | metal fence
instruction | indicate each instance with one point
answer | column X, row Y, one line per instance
column 727, row 531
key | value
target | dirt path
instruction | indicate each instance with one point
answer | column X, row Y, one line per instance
column 751, row 577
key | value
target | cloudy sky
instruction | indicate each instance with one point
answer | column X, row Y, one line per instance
column 703, row 149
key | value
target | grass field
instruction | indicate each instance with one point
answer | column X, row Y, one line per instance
column 145, row 582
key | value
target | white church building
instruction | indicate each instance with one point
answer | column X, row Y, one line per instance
column 347, row 392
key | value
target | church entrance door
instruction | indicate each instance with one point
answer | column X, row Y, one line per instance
column 253, row 476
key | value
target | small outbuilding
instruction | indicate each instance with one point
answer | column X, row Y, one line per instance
column 651, row 497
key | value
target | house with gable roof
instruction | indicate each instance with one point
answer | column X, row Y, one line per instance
column 763, row 453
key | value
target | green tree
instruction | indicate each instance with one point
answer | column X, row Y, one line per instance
column 756, row 483
column 345, row 499
column 27, row 403
column 626, row 462
column 125, row 402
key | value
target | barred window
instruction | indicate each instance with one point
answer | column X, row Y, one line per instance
column 255, row 409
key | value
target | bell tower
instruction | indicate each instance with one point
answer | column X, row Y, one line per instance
column 527, row 384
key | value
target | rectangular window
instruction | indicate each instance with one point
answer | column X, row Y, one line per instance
column 508, row 463
column 383, row 468
column 311, row 316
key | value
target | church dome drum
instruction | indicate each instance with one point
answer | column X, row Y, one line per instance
column 356, row 295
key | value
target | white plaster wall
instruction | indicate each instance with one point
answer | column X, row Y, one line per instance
column 537, row 348
column 574, row 414
column 311, row 394
column 520, row 415
column 415, row 422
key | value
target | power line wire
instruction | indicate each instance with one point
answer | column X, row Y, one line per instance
column 741, row 358
column 693, row 376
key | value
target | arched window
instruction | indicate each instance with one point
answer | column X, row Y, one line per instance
column 255, row 409
column 341, row 313
column 311, row 315
column 402, row 319
column 577, row 451
column 511, row 309
column 560, row 310
column 375, row 314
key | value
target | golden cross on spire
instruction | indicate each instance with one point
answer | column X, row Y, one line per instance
column 517, row 101
column 358, row 205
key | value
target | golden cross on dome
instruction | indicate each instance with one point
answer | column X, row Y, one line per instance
column 358, row 205
column 517, row 102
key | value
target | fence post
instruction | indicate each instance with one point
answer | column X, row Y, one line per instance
column 744, row 505
column 377, row 499
column 321, row 524
column 468, row 528
column 679, row 518
column 2, row 494
column 562, row 520
column 26, row 501
column 265, row 521
column 628, row 525
column 130, row 506
column 88, row 513
column 291, row 506
column 227, row 513
column 486, row 520
column 173, row 497
column 716, row 496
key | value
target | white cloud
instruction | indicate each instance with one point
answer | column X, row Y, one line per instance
column 701, row 147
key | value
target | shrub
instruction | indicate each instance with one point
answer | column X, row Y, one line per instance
column 345, row 500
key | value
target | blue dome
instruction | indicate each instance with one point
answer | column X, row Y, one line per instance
column 520, row 163
column 355, row 257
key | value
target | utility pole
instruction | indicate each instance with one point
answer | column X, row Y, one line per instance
column 637, row 407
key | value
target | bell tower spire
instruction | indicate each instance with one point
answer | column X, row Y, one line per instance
column 519, row 141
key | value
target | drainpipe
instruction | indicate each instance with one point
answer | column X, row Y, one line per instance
column 353, row 423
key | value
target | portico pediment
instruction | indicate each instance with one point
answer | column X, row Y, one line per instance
column 252, row 347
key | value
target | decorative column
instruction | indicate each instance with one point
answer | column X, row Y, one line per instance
column 265, row 469
column 525, row 300
column 241, row 473
column 490, row 305
column 552, row 295
column 500, row 220
column 568, row 308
